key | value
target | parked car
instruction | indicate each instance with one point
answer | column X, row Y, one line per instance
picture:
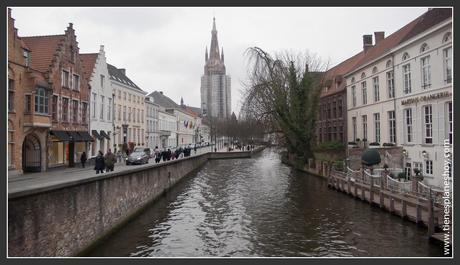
column 147, row 150
column 138, row 157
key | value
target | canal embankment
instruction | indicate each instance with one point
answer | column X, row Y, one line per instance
column 65, row 218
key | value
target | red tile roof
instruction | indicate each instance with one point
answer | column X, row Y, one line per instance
column 43, row 49
column 422, row 23
column 88, row 60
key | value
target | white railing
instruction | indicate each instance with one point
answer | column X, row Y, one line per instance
column 353, row 175
column 399, row 186
column 426, row 192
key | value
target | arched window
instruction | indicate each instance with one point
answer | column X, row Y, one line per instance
column 388, row 64
column 352, row 80
column 405, row 56
column 10, row 143
column 374, row 70
column 424, row 47
column 363, row 75
column 447, row 37
column 41, row 101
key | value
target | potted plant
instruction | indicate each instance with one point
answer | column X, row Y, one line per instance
column 351, row 144
column 388, row 144
column 374, row 145
column 401, row 175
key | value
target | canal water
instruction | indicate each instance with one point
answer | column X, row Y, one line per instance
column 263, row 208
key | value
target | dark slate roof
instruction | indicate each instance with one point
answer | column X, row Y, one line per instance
column 163, row 100
column 117, row 75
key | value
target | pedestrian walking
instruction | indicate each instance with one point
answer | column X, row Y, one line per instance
column 83, row 159
column 100, row 164
column 109, row 160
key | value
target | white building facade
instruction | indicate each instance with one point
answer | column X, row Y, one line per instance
column 101, row 103
column 167, row 129
column 129, row 109
column 403, row 96
column 152, row 123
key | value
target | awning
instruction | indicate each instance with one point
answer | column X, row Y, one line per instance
column 96, row 134
column 75, row 136
column 103, row 133
column 85, row 136
column 61, row 135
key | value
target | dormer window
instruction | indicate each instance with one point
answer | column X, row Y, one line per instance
column 388, row 64
column 374, row 70
column 405, row 56
column 447, row 37
column 26, row 55
column 363, row 75
column 424, row 48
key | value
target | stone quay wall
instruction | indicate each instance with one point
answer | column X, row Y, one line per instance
column 68, row 219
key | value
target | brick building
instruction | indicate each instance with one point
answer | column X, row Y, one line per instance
column 59, row 97
column 28, row 123
column 332, row 115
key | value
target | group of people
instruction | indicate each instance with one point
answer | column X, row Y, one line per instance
column 102, row 162
column 167, row 155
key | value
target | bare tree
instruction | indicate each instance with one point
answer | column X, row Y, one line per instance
column 283, row 91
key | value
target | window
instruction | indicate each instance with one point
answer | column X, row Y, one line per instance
column 408, row 120
column 65, row 79
column 119, row 94
column 334, row 109
column 142, row 116
column 129, row 97
column 363, row 75
column 377, row 127
column 129, row 113
column 41, row 101
column 94, row 104
column 119, row 112
column 406, row 78
column 449, row 121
column 54, row 105
column 391, row 84
column 388, row 65
column 10, row 143
column 339, row 108
column 392, row 126
column 426, row 72
column 354, row 128
column 26, row 55
column 76, row 82
column 429, row 167
column 353, row 95
column 102, row 108
column 102, row 81
column 364, row 92
column 124, row 95
column 28, row 105
column 10, row 95
column 75, row 111
column 84, row 109
column 374, row 70
column 376, row 89
column 124, row 113
column 447, row 37
column 109, row 113
column 364, row 117
column 72, row 53
column 447, row 60
column 428, row 124
column 424, row 48
column 405, row 56
column 65, row 109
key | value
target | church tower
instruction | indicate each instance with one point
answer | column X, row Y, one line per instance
column 215, row 83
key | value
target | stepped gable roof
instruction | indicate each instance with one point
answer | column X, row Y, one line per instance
column 163, row 100
column 117, row 75
column 43, row 49
column 88, row 60
column 422, row 23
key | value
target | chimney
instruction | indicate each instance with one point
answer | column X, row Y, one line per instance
column 379, row 35
column 367, row 42
column 101, row 48
column 123, row 70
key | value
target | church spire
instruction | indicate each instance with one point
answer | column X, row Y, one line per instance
column 214, row 50
column 222, row 55
column 206, row 55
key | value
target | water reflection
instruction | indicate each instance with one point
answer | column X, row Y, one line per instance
column 260, row 207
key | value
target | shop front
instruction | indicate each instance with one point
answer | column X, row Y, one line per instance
column 66, row 147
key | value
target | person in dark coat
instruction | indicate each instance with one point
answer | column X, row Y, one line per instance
column 83, row 159
column 168, row 154
column 100, row 164
column 164, row 155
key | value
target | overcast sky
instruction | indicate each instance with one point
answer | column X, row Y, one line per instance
column 163, row 48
